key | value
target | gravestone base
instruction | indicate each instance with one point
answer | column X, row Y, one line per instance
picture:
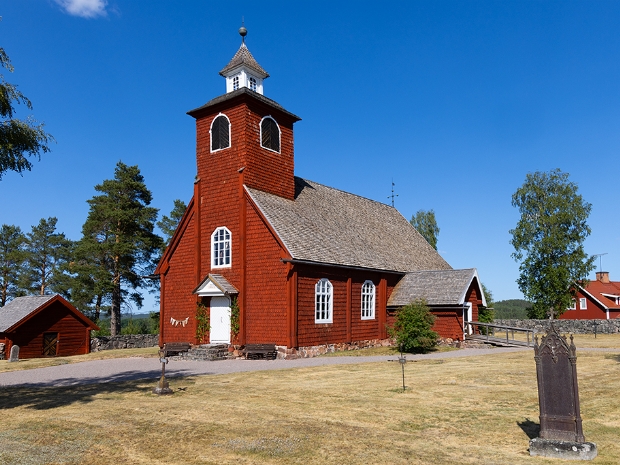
column 563, row 449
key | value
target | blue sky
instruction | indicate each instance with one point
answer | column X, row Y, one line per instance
column 455, row 101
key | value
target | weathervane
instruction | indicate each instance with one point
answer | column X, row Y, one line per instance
column 393, row 195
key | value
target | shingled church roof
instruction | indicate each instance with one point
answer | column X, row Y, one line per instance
column 437, row 287
column 327, row 225
column 244, row 57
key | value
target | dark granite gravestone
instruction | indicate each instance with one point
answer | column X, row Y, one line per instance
column 14, row 357
column 561, row 434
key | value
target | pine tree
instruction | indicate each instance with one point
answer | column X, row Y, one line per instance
column 46, row 253
column 11, row 259
column 18, row 138
column 118, row 237
column 168, row 224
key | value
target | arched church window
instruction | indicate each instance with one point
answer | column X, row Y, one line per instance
column 220, row 133
column 270, row 134
column 220, row 248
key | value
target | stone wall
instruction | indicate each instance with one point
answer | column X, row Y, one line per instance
column 129, row 341
column 567, row 326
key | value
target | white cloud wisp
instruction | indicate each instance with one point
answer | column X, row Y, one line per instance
column 84, row 8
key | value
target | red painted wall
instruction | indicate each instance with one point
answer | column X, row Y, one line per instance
column 593, row 310
column 177, row 300
column 73, row 334
column 266, row 295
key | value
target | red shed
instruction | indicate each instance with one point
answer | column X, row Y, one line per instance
column 274, row 258
column 44, row 326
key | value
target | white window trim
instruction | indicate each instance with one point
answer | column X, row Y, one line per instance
column 211, row 134
column 260, row 126
column 330, row 301
column 583, row 303
column 213, row 260
column 371, row 312
column 573, row 306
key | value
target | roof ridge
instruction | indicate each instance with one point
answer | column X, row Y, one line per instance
column 348, row 193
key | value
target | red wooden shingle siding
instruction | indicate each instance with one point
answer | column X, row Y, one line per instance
column 178, row 302
column 73, row 334
column 266, row 297
column 311, row 333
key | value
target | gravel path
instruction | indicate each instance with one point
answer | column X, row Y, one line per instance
column 126, row 369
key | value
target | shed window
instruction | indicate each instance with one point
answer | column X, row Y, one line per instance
column 583, row 303
column 220, row 248
column 270, row 134
column 323, row 297
column 573, row 305
column 220, row 133
column 368, row 301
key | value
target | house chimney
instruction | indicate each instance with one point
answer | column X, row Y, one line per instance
column 602, row 276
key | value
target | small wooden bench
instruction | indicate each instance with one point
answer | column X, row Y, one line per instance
column 175, row 348
column 260, row 351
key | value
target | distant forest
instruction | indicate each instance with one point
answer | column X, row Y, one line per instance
column 512, row 309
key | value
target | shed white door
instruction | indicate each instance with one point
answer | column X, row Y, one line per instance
column 219, row 319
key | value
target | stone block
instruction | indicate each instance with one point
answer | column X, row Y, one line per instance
column 563, row 449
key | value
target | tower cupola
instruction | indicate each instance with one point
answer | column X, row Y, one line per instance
column 243, row 70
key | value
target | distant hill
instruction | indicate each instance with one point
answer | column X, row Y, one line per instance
column 511, row 309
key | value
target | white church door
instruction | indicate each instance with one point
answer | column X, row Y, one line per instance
column 219, row 320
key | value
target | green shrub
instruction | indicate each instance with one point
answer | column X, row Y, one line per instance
column 412, row 328
column 202, row 323
column 485, row 315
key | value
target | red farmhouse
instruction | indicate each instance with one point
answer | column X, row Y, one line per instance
column 599, row 300
column 44, row 326
column 283, row 260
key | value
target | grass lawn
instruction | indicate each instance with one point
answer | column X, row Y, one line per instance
column 471, row 410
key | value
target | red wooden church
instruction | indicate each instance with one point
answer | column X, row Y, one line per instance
column 44, row 326
column 283, row 260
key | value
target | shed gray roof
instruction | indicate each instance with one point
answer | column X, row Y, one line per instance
column 19, row 308
column 437, row 287
column 220, row 282
column 244, row 57
column 327, row 225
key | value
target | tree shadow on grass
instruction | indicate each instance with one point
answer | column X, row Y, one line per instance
column 529, row 427
column 70, row 391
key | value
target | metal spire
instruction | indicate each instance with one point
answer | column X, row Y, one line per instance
column 393, row 195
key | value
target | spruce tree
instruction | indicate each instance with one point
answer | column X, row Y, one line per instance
column 11, row 259
column 46, row 253
column 118, row 237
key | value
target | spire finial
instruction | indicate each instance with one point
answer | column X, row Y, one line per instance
column 243, row 31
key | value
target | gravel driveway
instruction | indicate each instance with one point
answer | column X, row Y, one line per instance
column 126, row 369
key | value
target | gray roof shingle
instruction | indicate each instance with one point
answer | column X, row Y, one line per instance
column 240, row 91
column 437, row 287
column 327, row 225
column 19, row 308
column 244, row 57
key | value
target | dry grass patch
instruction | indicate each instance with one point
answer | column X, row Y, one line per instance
column 471, row 410
column 31, row 363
